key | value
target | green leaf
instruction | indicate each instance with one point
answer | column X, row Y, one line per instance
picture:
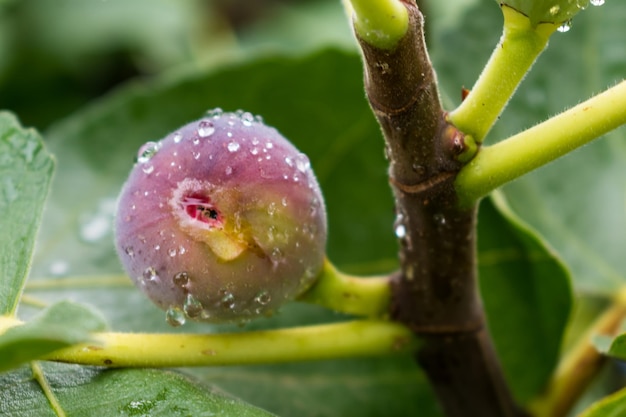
column 612, row 406
column 58, row 326
column 576, row 203
column 527, row 295
column 87, row 391
column 25, row 172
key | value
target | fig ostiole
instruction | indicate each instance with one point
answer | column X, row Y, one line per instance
column 221, row 221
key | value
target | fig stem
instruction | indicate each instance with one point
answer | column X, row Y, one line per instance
column 381, row 23
column 581, row 364
column 511, row 158
column 350, row 294
column 519, row 46
column 364, row 338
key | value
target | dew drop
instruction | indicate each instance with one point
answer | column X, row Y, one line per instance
column 233, row 147
column 178, row 137
column 192, row 307
column 400, row 231
column 147, row 151
column 269, row 145
column 228, row 301
column 554, row 10
column 271, row 209
column 175, row 316
column 181, row 279
column 157, row 247
column 196, row 155
column 148, row 169
column 247, row 119
column 263, row 298
column 150, row 274
column 181, row 250
column 129, row 251
column 284, row 201
column 172, row 252
column 597, row 2
column 205, row 129
column 254, row 151
column 302, row 163
column 289, row 161
column 215, row 113
column 565, row 27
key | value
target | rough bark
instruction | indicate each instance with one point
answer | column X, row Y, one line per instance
column 436, row 292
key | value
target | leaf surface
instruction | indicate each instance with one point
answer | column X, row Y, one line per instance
column 25, row 172
column 58, row 326
column 89, row 391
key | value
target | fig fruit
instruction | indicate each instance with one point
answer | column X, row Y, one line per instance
column 223, row 220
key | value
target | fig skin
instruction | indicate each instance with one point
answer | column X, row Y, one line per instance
column 223, row 220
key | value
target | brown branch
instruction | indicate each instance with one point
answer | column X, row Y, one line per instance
column 436, row 293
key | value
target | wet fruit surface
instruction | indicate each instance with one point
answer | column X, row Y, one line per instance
column 222, row 220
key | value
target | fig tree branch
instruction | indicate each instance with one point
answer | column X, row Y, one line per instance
column 505, row 161
column 520, row 45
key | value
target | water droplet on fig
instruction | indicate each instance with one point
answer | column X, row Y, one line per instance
column 175, row 316
column 148, row 169
column 302, row 163
column 147, row 151
column 247, row 119
column 177, row 137
column 150, row 274
column 181, row 279
column 284, row 201
column 215, row 113
column 129, row 251
column 233, row 147
column 269, row 145
column 228, row 301
column 196, row 155
column 263, row 298
column 597, row 2
column 192, row 307
column 205, row 129
column 172, row 252
column 289, row 161
column 254, row 151
column 554, row 10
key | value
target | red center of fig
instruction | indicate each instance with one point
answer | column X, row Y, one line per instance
column 199, row 207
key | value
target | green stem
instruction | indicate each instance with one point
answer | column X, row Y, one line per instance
column 520, row 45
column 582, row 363
column 381, row 23
column 349, row 294
column 328, row 341
column 505, row 161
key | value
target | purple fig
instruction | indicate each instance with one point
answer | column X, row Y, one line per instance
column 222, row 220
